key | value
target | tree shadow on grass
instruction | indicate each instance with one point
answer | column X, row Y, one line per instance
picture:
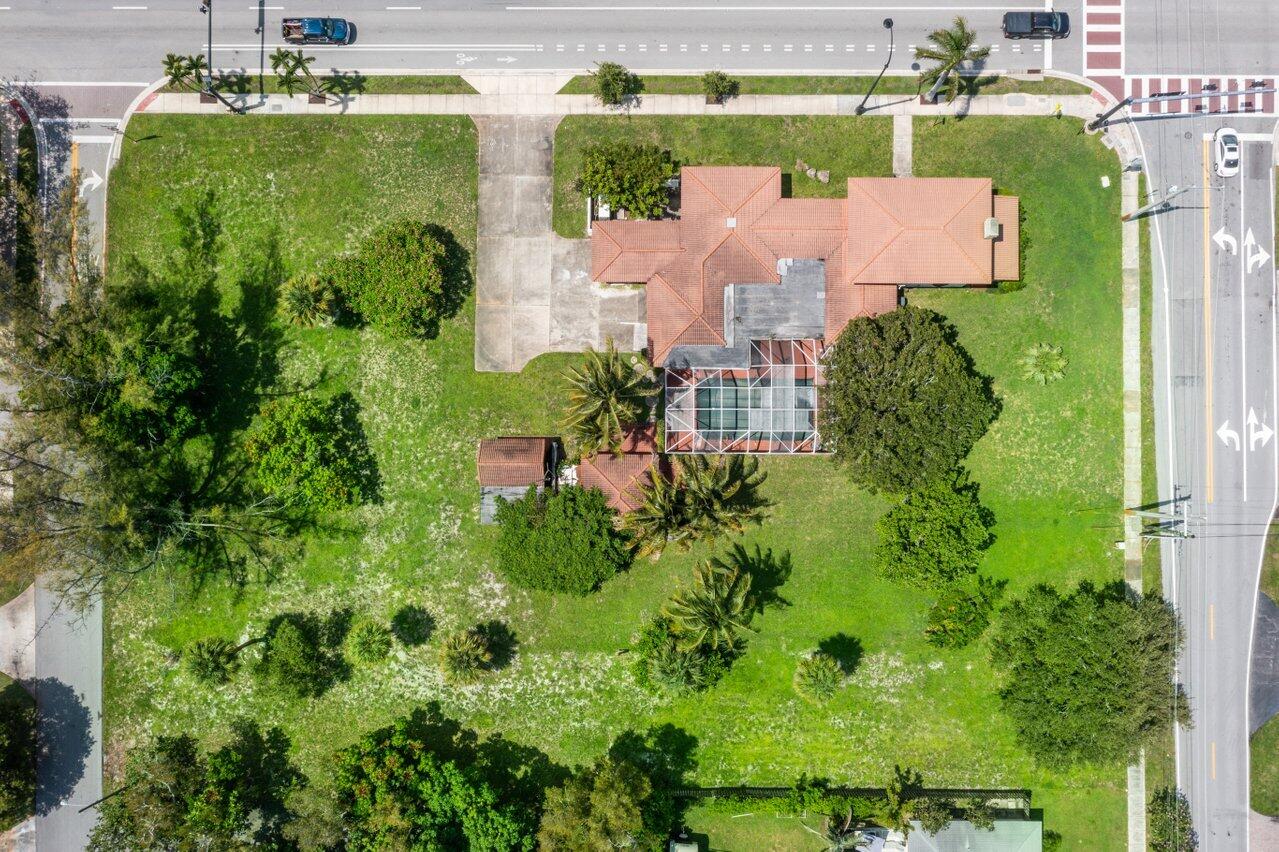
column 412, row 625
column 768, row 574
column 353, row 444
column 667, row 755
column 845, row 649
column 502, row 642
column 458, row 279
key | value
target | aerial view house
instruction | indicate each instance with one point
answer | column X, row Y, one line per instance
column 747, row 288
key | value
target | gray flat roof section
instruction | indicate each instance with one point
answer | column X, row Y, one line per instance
column 794, row 309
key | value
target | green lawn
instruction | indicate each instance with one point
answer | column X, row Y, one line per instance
column 845, row 146
column 1265, row 769
column 1049, row 469
column 815, row 84
column 355, row 83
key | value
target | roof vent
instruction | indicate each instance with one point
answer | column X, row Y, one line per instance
column 732, row 222
column 991, row 229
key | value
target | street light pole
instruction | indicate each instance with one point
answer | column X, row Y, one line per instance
column 206, row 8
column 888, row 25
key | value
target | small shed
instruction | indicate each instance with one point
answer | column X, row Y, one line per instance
column 506, row 467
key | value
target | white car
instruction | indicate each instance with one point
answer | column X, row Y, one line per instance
column 1226, row 147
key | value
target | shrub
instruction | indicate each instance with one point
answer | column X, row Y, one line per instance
column 17, row 755
column 296, row 660
column 396, row 281
column 562, row 542
column 962, row 613
column 369, row 641
column 663, row 667
column 1062, row 658
column 1043, row 363
column 933, row 814
column 310, row 300
column 313, row 452
column 933, row 537
column 465, row 656
column 412, row 625
column 718, row 86
column 818, row 677
column 1170, row 826
column 903, row 405
column 628, row 175
column 210, row 660
column 614, row 83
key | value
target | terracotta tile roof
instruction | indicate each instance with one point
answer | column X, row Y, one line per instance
column 512, row 461
column 620, row 477
column 1008, row 245
column 734, row 226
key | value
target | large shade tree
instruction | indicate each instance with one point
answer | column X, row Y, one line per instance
column 934, row 536
column 599, row 808
column 903, row 404
column 1088, row 676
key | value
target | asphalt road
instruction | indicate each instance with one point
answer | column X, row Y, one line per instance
column 1214, row 354
column 125, row 41
column 1209, row 37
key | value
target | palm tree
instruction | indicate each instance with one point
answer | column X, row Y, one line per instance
column 175, row 69
column 196, row 68
column 721, row 493
column 284, row 63
column 215, row 660
column 714, row 611
column 954, row 48
column 660, row 519
column 605, row 395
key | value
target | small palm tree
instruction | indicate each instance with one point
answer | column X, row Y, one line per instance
column 175, row 70
column 197, row 69
column 370, row 641
column 662, row 517
column 954, row 48
column 721, row 493
column 714, row 611
column 818, row 677
column 465, row 656
column 309, row 300
column 285, row 65
column 1043, row 363
column 214, row 660
column 605, row 395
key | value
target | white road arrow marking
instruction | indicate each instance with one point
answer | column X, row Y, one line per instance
column 1257, row 256
column 92, row 182
column 1255, row 434
column 1222, row 239
column 462, row 58
column 1226, row 434
column 506, row 59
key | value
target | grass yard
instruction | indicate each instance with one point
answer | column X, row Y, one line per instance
column 1049, row 469
column 846, row 146
column 352, row 83
column 1265, row 769
column 817, row 84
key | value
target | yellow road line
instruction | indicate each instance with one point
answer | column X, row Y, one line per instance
column 1207, row 326
column 1212, row 622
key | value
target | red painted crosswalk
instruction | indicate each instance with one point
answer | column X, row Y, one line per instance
column 1208, row 95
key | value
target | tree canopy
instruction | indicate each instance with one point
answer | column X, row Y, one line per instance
column 607, row 395
column 175, row 797
column 630, row 176
column 561, row 542
column 934, row 536
column 903, row 404
column 600, row 809
column 1088, row 676
column 17, row 755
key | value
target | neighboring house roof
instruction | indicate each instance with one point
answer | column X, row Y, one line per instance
column 505, row 462
column 1008, row 835
column 620, row 477
column 735, row 226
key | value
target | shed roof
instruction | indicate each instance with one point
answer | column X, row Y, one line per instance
column 620, row 477
column 513, row 461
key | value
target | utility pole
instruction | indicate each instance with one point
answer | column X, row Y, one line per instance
column 1171, row 524
column 1162, row 205
column 206, row 9
column 861, row 107
column 1101, row 117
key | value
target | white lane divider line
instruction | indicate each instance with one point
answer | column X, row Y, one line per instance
column 128, row 8
column 808, row 48
column 830, row 48
column 768, row 48
column 403, row 8
column 786, row 48
column 683, row 48
column 661, row 48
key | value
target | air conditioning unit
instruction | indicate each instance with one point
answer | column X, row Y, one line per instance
column 991, row 229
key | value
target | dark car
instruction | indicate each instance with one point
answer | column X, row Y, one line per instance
column 1036, row 25
column 316, row 31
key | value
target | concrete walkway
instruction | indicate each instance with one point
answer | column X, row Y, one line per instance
column 533, row 292
column 903, row 145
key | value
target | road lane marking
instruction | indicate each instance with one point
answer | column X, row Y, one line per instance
column 1207, row 310
column 897, row 8
column 403, row 8
column 1214, row 760
column 85, row 139
column 1212, row 622
column 1243, row 319
column 128, row 8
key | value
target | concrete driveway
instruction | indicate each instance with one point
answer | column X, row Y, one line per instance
column 533, row 292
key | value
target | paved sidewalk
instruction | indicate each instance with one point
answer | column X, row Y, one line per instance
column 1081, row 106
column 533, row 292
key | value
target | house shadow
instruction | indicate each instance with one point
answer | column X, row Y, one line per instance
column 63, row 742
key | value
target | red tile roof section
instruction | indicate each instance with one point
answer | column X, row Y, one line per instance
column 734, row 226
column 1008, row 246
column 506, row 462
column 621, row 477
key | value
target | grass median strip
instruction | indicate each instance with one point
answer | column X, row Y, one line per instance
column 816, row 84
column 349, row 84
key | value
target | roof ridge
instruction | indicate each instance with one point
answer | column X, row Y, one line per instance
column 901, row 229
column 676, row 293
column 983, row 183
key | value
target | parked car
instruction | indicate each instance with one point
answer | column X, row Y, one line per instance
column 1225, row 143
column 316, row 31
column 1036, row 25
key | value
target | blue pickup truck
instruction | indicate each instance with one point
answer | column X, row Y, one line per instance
column 316, row 31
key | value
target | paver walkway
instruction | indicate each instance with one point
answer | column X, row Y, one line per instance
column 533, row 292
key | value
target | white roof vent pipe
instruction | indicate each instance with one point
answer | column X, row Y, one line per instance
column 991, row 229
